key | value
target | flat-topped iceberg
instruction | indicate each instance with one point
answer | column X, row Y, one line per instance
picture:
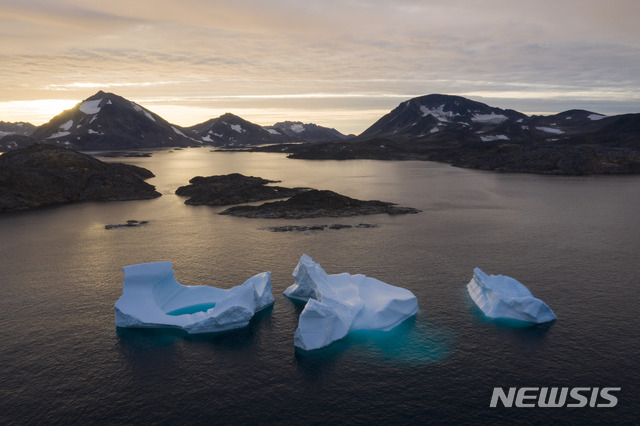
column 151, row 297
column 502, row 297
column 340, row 303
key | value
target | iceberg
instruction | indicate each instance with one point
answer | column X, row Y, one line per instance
column 151, row 297
column 340, row 303
column 502, row 297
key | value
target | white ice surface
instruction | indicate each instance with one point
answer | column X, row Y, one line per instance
column 237, row 127
column 150, row 293
column 502, row 297
column 340, row 303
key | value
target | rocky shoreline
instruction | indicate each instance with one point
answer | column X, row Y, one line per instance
column 318, row 203
column 233, row 188
column 44, row 174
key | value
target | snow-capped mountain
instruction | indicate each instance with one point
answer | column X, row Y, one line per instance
column 454, row 119
column 108, row 121
column 296, row 131
column 432, row 114
column 19, row 128
column 15, row 135
column 231, row 130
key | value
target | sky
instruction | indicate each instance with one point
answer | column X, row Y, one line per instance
column 337, row 63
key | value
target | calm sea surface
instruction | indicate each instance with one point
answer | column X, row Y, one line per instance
column 575, row 242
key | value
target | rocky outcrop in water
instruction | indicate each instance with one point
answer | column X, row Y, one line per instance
column 317, row 203
column 44, row 174
column 234, row 188
column 313, row 228
column 132, row 223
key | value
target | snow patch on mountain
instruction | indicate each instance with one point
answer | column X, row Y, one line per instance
column 238, row 128
column 297, row 127
column 59, row 135
column 178, row 131
column 595, row 117
column 143, row 111
column 90, row 107
column 67, row 125
column 492, row 118
column 439, row 113
column 491, row 138
column 550, row 130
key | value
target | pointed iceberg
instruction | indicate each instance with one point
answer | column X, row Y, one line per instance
column 340, row 303
column 502, row 297
column 151, row 297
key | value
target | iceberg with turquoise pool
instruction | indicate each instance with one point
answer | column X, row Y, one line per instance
column 340, row 303
column 152, row 298
column 501, row 297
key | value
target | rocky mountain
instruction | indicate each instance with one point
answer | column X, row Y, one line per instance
column 107, row 121
column 15, row 141
column 19, row 128
column 466, row 133
column 15, row 135
column 432, row 114
column 231, row 130
column 297, row 131
column 44, row 174
column 453, row 119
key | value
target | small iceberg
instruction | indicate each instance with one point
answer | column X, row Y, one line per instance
column 502, row 297
column 151, row 297
column 341, row 303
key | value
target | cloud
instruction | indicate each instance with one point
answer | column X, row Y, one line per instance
column 294, row 48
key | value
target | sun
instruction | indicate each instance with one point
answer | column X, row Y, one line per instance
column 36, row 111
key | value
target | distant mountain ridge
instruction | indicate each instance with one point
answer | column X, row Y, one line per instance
column 466, row 133
column 445, row 128
column 106, row 121
column 297, row 131
column 230, row 130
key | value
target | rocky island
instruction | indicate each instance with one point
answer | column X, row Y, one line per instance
column 318, row 203
column 44, row 174
column 233, row 188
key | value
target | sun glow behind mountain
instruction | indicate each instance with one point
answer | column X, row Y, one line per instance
column 36, row 112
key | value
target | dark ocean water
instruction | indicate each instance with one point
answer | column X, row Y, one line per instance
column 575, row 242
